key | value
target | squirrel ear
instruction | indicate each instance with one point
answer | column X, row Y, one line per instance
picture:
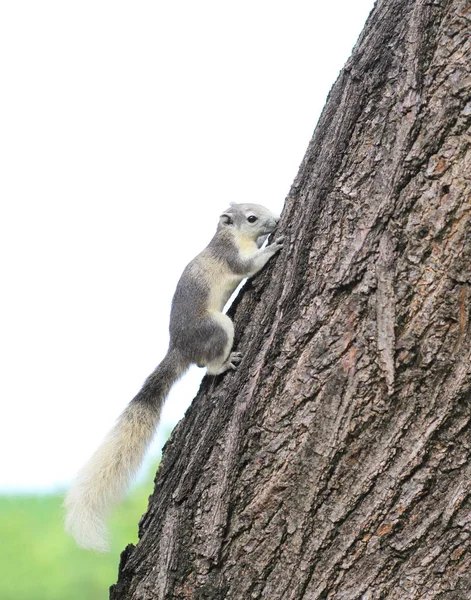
column 226, row 219
column 232, row 203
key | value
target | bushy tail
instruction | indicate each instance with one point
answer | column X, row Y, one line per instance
column 104, row 480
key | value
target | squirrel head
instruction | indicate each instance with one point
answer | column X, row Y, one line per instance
column 250, row 221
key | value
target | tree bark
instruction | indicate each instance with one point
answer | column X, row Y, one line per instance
column 335, row 463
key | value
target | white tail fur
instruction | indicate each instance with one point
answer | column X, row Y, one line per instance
column 104, row 480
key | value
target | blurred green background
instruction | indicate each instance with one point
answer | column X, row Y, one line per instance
column 38, row 561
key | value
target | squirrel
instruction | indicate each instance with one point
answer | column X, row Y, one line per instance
column 201, row 334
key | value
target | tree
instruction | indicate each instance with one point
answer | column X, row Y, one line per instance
column 335, row 463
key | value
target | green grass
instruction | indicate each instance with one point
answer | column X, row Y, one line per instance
column 38, row 561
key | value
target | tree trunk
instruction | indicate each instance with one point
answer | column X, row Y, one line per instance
column 335, row 464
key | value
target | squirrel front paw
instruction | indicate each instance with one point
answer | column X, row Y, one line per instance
column 277, row 244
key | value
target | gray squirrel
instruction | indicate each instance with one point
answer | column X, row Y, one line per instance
column 200, row 333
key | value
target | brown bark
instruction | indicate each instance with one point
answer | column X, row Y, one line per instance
column 335, row 464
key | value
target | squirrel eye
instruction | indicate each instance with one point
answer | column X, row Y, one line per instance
column 252, row 219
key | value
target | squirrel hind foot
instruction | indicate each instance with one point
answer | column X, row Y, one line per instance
column 231, row 363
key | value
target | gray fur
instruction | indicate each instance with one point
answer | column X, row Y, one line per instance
column 199, row 333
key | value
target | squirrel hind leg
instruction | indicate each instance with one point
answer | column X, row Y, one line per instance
column 218, row 357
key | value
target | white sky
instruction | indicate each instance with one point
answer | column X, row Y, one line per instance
column 125, row 130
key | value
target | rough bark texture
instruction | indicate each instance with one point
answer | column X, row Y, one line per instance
column 335, row 463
